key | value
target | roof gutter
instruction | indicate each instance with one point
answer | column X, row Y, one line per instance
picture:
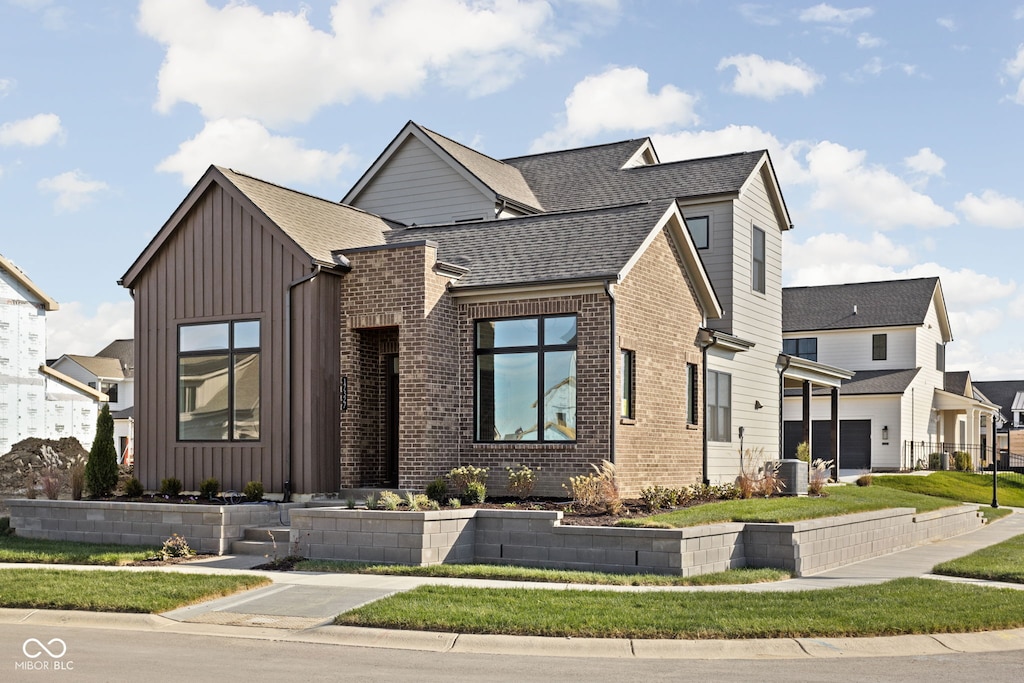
column 287, row 493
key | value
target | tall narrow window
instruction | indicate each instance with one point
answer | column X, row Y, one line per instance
column 719, row 406
column 219, row 381
column 526, row 379
column 692, row 392
column 940, row 357
column 628, row 404
column 757, row 265
column 700, row 231
column 879, row 342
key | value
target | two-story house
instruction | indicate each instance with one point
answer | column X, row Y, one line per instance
column 901, row 404
column 35, row 400
column 552, row 310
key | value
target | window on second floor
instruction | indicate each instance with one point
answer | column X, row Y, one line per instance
column 691, row 394
column 805, row 347
column 879, row 343
column 757, row 264
column 700, row 231
column 628, row 408
column 110, row 389
column 940, row 357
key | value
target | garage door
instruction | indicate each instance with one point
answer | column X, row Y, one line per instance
column 854, row 441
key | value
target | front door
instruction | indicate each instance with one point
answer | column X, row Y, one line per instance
column 391, row 419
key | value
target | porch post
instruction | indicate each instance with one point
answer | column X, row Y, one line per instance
column 833, row 434
column 807, row 416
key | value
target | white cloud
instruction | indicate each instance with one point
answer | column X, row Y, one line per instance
column 6, row 86
column 74, row 190
column 826, row 14
column 1015, row 69
column 758, row 14
column 1019, row 12
column 768, row 79
column 992, row 210
column 866, row 40
column 618, row 100
column 875, row 67
column 869, row 193
column 706, row 143
column 32, row 132
column 926, row 162
column 237, row 61
column 73, row 329
column 245, row 145
column 947, row 23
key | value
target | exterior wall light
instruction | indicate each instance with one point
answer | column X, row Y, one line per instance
column 885, row 433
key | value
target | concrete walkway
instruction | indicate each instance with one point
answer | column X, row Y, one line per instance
column 300, row 606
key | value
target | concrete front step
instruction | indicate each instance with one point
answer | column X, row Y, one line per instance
column 269, row 534
column 262, row 540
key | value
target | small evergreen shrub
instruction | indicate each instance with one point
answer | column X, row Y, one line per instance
column 133, row 488
column 476, row 493
column 253, row 491
column 803, row 452
column 437, row 490
column 962, row 461
column 101, row 467
column 209, row 488
column 171, row 486
column 5, row 527
column 935, row 461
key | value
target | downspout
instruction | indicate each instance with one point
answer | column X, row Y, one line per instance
column 612, row 356
column 782, row 399
column 706, row 340
column 287, row 493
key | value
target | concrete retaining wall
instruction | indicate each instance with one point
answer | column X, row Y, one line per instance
column 207, row 528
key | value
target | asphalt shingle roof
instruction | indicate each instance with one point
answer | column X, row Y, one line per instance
column 956, row 382
column 879, row 304
column 505, row 180
column 867, row 382
column 576, row 245
column 317, row 225
column 593, row 176
column 124, row 351
column 109, row 368
column 1002, row 393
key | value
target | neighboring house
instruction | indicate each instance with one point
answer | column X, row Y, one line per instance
column 1009, row 395
column 901, row 404
column 111, row 371
column 36, row 401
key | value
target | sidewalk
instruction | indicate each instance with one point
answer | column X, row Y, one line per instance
column 300, row 606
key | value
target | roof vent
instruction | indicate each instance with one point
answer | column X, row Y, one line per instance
column 855, row 309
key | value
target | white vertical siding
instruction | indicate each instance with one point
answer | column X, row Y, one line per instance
column 851, row 349
column 417, row 186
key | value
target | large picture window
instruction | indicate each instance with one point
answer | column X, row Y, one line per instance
column 219, row 381
column 719, row 411
column 804, row 347
column 526, row 379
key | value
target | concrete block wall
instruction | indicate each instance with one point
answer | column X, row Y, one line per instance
column 206, row 528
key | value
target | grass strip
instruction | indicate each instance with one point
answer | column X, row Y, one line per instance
column 17, row 549
column 1001, row 562
column 511, row 573
column 841, row 500
column 903, row 606
column 964, row 486
column 991, row 514
column 115, row 591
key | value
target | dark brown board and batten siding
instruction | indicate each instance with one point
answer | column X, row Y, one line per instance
column 222, row 259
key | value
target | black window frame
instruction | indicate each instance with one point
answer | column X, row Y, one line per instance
column 715, row 430
column 692, row 393
column 110, row 389
column 540, row 349
column 758, row 266
column 707, row 230
column 801, row 347
column 940, row 357
column 627, row 402
column 879, row 346
column 230, row 352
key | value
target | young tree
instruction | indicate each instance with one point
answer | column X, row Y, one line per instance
column 101, row 468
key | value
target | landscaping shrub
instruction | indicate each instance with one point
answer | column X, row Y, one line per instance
column 388, row 500
column 454, row 503
column 417, row 501
column 133, row 488
column 101, row 467
column 77, row 473
column 51, row 483
column 521, row 481
column 176, row 546
column 476, row 493
column 865, row 480
column 597, row 489
column 372, row 502
column 935, row 461
column 962, row 461
column 819, row 476
column 758, row 477
column 5, row 527
column 803, row 452
column 658, row 497
column 30, row 485
column 253, row 491
column 437, row 490
column 171, row 486
column 460, row 478
column 209, row 488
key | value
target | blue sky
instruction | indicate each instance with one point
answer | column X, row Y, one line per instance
column 895, row 128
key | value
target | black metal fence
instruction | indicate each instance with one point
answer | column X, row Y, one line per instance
column 939, row 455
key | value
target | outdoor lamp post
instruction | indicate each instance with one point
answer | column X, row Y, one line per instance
column 996, row 424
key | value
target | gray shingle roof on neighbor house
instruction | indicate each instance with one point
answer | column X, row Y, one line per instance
column 317, row 225
column 1002, row 393
column 124, row 351
column 878, row 304
column 956, row 382
column 577, row 245
column 505, row 180
column 869, row 382
column 108, row 368
column 593, row 176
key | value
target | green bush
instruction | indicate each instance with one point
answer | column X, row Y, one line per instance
column 253, row 491
column 461, row 477
column 209, row 488
column 962, row 461
column 176, row 546
column 935, row 461
column 133, row 488
column 803, row 452
column 5, row 527
column 389, row 500
column 521, row 481
column 171, row 486
column 101, row 467
column 476, row 493
column 865, row 480
column 437, row 490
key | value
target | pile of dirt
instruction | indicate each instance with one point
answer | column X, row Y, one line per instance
column 33, row 456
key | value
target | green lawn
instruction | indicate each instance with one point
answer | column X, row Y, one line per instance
column 115, row 591
column 841, row 500
column 902, row 606
column 964, row 486
column 17, row 549
column 511, row 573
column 1000, row 562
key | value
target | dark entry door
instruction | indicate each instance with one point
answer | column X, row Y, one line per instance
column 854, row 442
column 391, row 420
